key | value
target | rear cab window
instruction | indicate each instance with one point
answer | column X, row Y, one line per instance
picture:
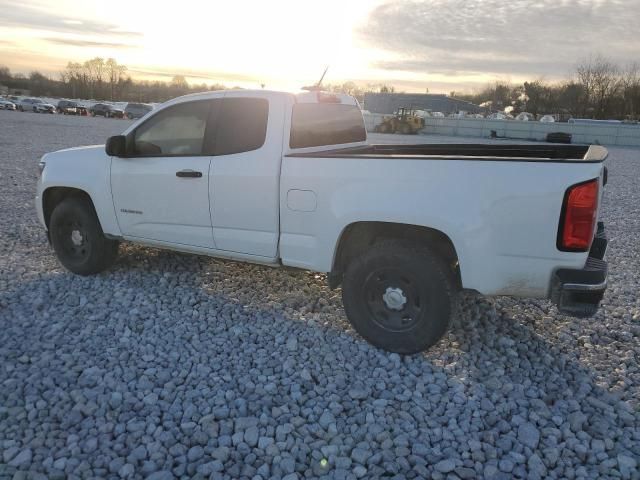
column 241, row 124
column 326, row 122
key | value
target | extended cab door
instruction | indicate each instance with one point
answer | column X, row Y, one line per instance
column 245, row 173
column 161, row 190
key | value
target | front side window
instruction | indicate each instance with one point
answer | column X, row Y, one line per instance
column 316, row 124
column 176, row 130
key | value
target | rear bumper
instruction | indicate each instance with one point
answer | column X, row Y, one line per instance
column 579, row 292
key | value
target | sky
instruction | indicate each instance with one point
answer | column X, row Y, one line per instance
column 440, row 45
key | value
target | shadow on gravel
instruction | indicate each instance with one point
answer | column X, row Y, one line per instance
column 180, row 338
column 519, row 363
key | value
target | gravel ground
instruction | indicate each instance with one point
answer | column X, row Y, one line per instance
column 172, row 365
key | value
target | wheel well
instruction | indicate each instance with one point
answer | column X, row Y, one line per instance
column 54, row 195
column 357, row 237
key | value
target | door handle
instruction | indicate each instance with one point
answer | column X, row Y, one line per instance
column 188, row 174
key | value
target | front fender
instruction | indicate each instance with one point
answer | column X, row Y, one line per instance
column 87, row 169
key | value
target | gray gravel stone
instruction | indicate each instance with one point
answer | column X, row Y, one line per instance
column 161, row 475
column 195, row 453
column 529, row 435
column 536, row 466
column 22, row 459
column 9, row 453
column 359, row 471
column 126, row 471
column 326, row 419
column 445, row 466
column 251, row 435
column 360, row 455
column 228, row 370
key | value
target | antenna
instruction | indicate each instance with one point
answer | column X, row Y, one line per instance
column 322, row 77
column 317, row 86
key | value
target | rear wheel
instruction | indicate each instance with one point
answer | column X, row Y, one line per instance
column 78, row 239
column 399, row 296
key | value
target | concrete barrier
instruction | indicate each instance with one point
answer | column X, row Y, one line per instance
column 623, row 135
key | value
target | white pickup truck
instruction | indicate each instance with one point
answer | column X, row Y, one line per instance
column 289, row 180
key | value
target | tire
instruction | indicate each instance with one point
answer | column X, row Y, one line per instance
column 405, row 129
column 559, row 137
column 399, row 296
column 78, row 240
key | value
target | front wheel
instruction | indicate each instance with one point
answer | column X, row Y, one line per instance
column 399, row 296
column 78, row 239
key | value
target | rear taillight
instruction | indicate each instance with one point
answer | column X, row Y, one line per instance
column 578, row 219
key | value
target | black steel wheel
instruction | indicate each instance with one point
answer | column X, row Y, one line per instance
column 77, row 238
column 399, row 296
column 393, row 299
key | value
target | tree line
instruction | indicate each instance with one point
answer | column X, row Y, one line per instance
column 101, row 79
column 598, row 88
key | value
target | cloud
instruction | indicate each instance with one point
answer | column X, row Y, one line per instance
column 86, row 43
column 193, row 74
column 20, row 14
column 497, row 37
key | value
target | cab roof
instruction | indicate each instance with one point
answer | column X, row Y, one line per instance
column 316, row 96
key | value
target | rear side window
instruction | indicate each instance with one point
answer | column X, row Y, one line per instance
column 176, row 130
column 241, row 124
column 316, row 124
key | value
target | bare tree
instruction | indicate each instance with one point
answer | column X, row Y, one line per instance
column 74, row 76
column 114, row 73
column 630, row 85
column 600, row 79
column 95, row 71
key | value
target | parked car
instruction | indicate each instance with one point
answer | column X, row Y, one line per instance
column 104, row 110
column 67, row 107
column 7, row 105
column 137, row 110
column 82, row 110
column 27, row 104
column 43, row 107
column 289, row 180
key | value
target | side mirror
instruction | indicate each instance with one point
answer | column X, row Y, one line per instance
column 116, row 146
